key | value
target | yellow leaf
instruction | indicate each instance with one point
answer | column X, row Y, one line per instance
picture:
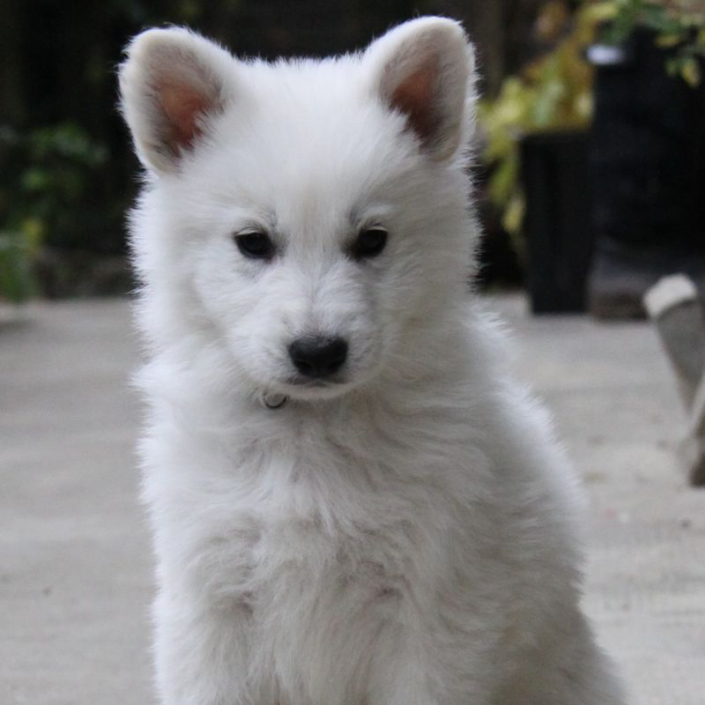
column 584, row 105
column 690, row 70
column 600, row 11
column 33, row 229
column 668, row 40
column 504, row 180
column 514, row 214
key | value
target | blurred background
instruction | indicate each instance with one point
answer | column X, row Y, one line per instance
column 589, row 172
column 589, row 163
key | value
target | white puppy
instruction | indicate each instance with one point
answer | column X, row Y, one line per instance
column 352, row 503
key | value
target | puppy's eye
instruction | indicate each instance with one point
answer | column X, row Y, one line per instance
column 370, row 243
column 255, row 245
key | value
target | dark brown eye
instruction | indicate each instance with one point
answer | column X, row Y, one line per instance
column 369, row 243
column 255, row 245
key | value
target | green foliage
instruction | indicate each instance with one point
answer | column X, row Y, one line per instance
column 554, row 93
column 550, row 94
column 16, row 253
column 61, row 163
column 679, row 26
column 50, row 173
column 66, row 167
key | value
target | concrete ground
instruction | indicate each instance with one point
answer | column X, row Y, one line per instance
column 75, row 577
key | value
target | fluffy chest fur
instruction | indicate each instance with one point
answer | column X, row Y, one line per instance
column 332, row 534
column 323, row 491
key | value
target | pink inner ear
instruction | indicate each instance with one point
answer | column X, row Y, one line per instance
column 414, row 97
column 183, row 105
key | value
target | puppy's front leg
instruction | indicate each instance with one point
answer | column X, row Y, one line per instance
column 200, row 652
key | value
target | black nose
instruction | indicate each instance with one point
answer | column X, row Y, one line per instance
column 318, row 357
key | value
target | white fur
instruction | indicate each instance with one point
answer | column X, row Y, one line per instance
column 405, row 537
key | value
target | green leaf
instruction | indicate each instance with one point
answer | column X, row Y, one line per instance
column 37, row 179
column 16, row 282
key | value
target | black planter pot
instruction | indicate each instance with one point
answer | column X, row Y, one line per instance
column 557, row 225
column 647, row 164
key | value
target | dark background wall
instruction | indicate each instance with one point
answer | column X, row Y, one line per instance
column 66, row 168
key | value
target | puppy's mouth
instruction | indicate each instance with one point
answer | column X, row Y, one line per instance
column 330, row 386
column 306, row 389
column 307, row 383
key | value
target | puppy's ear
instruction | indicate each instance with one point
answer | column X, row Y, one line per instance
column 172, row 83
column 424, row 69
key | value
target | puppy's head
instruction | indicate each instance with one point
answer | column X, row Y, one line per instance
column 308, row 214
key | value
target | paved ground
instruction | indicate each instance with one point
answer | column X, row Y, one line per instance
column 74, row 558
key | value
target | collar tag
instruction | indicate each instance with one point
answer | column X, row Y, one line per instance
column 274, row 401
